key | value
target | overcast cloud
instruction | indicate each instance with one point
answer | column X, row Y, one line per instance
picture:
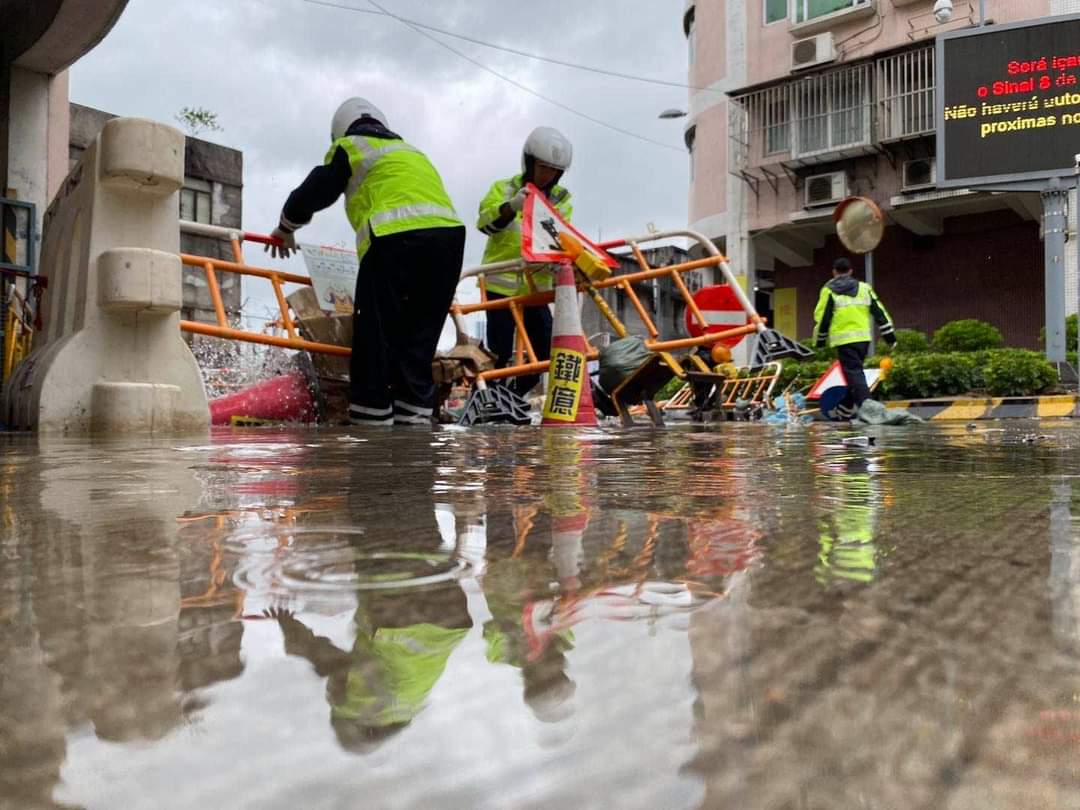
column 275, row 71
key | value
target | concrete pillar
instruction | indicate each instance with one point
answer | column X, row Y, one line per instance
column 37, row 149
column 111, row 359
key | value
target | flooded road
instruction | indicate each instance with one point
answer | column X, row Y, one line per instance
column 735, row 616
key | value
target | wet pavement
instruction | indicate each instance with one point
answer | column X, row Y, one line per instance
column 734, row 616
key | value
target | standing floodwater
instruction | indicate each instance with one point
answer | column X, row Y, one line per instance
column 740, row 617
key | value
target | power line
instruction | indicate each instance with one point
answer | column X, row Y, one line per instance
column 519, row 85
column 527, row 54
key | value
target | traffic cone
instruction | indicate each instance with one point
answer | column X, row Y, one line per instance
column 569, row 390
column 286, row 398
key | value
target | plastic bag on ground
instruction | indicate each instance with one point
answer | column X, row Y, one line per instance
column 872, row 412
column 620, row 359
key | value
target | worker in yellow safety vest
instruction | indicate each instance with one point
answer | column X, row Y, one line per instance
column 844, row 317
column 410, row 245
column 545, row 157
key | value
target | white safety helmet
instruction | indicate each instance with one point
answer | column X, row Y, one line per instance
column 549, row 146
column 351, row 110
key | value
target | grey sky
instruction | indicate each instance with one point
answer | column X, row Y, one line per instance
column 275, row 71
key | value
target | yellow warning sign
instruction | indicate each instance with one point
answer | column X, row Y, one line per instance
column 566, row 376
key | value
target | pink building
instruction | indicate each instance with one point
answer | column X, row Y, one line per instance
column 799, row 103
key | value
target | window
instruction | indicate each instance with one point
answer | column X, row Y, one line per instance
column 812, row 9
column 906, row 94
column 777, row 127
column 832, row 111
column 776, row 10
column 195, row 201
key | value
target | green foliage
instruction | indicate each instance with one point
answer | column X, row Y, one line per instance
column 927, row 375
column 826, row 353
column 671, row 387
column 806, row 373
column 910, row 341
column 1015, row 372
column 1072, row 330
column 969, row 335
column 197, row 120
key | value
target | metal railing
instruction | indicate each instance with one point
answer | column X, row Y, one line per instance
column 834, row 111
column 905, row 94
column 222, row 328
column 526, row 360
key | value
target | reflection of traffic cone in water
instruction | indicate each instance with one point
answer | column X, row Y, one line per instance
column 569, row 390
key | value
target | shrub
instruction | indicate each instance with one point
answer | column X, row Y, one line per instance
column 1016, row 372
column 827, row 353
column 910, row 341
column 1072, row 328
column 918, row 376
column 968, row 335
column 669, row 389
column 807, row 373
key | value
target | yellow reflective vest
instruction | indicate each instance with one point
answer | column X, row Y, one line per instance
column 505, row 244
column 849, row 318
column 393, row 188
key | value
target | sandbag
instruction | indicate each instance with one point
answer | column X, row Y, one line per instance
column 620, row 359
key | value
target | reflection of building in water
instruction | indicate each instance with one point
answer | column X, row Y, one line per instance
column 95, row 610
column 1064, row 581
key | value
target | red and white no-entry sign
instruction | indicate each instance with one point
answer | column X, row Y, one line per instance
column 721, row 309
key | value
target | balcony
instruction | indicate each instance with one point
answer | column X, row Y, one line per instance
column 814, row 16
column 839, row 113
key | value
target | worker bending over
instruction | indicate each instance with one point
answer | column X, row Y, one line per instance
column 410, row 244
column 544, row 159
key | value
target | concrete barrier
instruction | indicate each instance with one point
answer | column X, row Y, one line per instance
column 111, row 359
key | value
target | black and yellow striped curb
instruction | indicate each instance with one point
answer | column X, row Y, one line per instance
column 968, row 409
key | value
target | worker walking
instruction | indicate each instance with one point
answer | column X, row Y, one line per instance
column 844, row 317
column 410, row 244
column 544, row 158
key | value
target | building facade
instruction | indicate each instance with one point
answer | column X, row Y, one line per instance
column 659, row 297
column 800, row 103
column 212, row 195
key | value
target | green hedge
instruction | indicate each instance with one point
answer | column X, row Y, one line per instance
column 925, row 375
column 910, row 341
column 968, row 335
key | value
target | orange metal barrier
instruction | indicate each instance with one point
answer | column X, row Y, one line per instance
column 526, row 361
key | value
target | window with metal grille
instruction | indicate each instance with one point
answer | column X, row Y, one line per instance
column 832, row 111
column 905, row 84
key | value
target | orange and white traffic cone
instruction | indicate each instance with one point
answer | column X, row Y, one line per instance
column 569, row 390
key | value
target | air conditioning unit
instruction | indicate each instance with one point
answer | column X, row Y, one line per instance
column 816, row 50
column 918, row 175
column 825, row 189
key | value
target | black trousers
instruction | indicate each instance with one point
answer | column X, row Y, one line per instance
column 500, row 339
column 404, row 289
column 852, row 357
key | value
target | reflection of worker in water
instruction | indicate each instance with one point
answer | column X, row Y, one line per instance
column 843, row 317
column 846, row 529
column 545, row 156
column 403, row 641
column 523, row 633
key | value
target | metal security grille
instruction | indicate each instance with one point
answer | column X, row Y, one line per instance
column 832, row 111
column 905, row 92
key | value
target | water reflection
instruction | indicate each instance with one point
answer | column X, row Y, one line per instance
column 706, row 617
